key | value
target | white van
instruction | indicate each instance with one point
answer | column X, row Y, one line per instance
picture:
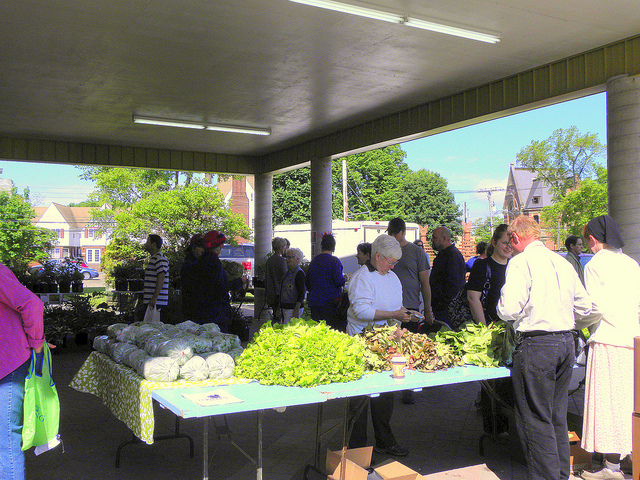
column 347, row 234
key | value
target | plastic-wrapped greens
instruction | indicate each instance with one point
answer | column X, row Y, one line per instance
column 111, row 346
column 175, row 348
column 129, row 354
column 138, row 359
column 146, row 331
column 201, row 344
column 152, row 344
column 189, row 325
column 100, row 343
column 208, row 327
column 186, row 334
column 195, row 369
column 221, row 366
column 160, row 369
column 115, row 329
column 236, row 352
column 128, row 334
column 223, row 342
column 121, row 349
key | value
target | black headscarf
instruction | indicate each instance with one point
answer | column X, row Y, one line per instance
column 605, row 229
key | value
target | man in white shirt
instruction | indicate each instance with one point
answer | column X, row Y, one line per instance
column 542, row 296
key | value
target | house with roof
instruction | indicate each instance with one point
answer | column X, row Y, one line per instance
column 77, row 236
column 526, row 194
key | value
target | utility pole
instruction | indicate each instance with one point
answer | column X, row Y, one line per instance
column 489, row 191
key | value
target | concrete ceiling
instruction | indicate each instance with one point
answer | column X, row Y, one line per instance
column 78, row 70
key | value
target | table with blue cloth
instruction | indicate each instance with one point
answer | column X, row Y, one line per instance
column 256, row 397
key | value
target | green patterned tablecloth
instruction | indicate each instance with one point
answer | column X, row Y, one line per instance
column 126, row 393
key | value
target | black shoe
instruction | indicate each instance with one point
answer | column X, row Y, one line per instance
column 396, row 451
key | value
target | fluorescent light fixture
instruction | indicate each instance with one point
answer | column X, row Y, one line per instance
column 401, row 19
column 167, row 123
column 458, row 32
column 202, row 126
column 354, row 10
column 238, row 129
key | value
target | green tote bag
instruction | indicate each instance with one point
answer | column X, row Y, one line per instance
column 41, row 406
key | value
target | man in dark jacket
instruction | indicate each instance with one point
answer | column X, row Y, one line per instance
column 447, row 274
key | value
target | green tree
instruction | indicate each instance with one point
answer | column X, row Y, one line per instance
column 564, row 159
column 577, row 207
column 292, row 197
column 426, row 200
column 20, row 241
column 380, row 186
column 177, row 214
column 482, row 228
column 375, row 182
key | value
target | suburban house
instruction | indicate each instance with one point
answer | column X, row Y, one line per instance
column 526, row 195
column 76, row 235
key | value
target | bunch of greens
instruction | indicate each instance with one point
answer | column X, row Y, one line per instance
column 302, row 353
column 485, row 346
column 421, row 352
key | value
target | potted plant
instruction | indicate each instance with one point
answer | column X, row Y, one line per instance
column 47, row 279
column 120, row 277
column 136, row 278
column 76, row 282
column 64, row 274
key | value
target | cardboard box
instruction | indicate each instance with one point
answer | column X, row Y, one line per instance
column 393, row 470
column 580, row 458
column 635, row 431
column 358, row 460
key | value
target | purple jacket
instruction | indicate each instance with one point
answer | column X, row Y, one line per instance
column 21, row 327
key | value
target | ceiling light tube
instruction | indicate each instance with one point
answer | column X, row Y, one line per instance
column 354, row 10
column 458, row 32
column 238, row 129
column 167, row 123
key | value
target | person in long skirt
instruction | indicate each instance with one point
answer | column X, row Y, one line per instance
column 613, row 282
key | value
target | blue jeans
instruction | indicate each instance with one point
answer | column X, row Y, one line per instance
column 541, row 375
column 11, row 401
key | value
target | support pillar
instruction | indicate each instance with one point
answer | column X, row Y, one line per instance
column 263, row 230
column 321, row 213
column 623, row 158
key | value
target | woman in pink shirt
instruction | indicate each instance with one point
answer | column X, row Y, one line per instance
column 21, row 330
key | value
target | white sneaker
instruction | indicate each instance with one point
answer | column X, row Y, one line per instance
column 604, row 474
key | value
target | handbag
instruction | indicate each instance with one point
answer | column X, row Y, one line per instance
column 41, row 405
column 152, row 315
column 459, row 308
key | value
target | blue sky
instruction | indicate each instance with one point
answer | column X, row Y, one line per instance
column 469, row 158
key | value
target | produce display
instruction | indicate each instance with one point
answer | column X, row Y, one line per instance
column 302, row 353
column 477, row 344
column 421, row 352
column 164, row 353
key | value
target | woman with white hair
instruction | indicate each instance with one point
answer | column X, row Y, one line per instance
column 292, row 289
column 375, row 294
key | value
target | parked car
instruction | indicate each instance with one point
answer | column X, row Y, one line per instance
column 243, row 254
column 87, row 272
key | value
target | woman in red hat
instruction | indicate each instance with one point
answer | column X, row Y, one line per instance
column 206, row 283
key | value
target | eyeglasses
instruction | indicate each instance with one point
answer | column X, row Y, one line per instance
column 391, row 264
column 290, row 256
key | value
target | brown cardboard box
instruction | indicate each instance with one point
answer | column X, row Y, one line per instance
column 393, row 470
column 635, row 431
column 580, row 458
column 357, row 460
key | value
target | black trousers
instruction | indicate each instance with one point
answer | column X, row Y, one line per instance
column 381, row 411
column 541, row 374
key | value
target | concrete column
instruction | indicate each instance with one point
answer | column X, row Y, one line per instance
column 623, row 158
column 263, row 229
column 320, row 202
